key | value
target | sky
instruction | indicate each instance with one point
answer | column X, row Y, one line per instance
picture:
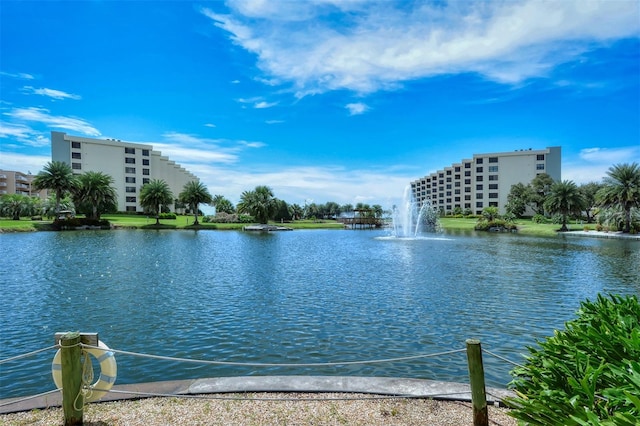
column 324, row 100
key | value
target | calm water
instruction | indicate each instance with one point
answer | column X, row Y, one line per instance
column 295, row 297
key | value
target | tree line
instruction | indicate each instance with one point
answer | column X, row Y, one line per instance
column 93, row 194
column 614, row 201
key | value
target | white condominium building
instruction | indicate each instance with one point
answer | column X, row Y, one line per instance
column 485, row 180
column 131, row 165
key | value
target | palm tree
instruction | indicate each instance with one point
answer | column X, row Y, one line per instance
column 296, row 211
column 193, row 194
column 155, row 194
column 222, row 205
column 621, row 187
column 95, row 193
column 564, row 197
column 16, row 205
column 58, row 176
column 259, row 203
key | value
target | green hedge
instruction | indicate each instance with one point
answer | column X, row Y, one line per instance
column 588, row 374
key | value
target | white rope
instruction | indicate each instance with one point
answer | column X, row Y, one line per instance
column 261, row 364
column 28, row 354
column 502, row 358
column 27, row 398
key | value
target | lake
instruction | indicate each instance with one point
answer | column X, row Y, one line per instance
column 306, row 296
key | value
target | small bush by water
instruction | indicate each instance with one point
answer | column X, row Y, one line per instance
column 587, row 374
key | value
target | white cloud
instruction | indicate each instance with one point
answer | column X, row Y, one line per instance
column 295, row 184
column 52, row 93
column 592, row 164
column 41, row 115
column 21, row 75
column 274, row 121
column 263, row 104
column 257, row 102
column 357, row 108
column 379, row 45
column 210, row 125
column 187, row 148
column 23, row 163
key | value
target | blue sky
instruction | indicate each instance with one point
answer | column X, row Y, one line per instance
column 324, row 100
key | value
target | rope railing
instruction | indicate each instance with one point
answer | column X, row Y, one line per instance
column 255, row 364
column 263, row 364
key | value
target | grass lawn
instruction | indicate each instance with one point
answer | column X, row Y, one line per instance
column 525, row 227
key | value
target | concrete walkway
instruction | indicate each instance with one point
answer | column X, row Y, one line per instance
column 601, row 234
column 417, row 388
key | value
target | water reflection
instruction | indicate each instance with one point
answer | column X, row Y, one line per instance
column 295, row 297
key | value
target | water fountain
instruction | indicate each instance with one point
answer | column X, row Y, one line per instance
column 409, row 221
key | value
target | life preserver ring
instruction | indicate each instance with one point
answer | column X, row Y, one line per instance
column 108, row 371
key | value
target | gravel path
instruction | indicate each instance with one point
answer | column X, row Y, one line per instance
column 281, row 409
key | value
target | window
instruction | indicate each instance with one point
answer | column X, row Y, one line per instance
column 479, row 170
column 493, row 186
column 129, row 169
column 457, row 199
column 467, row 165
column 493, row 195
column 448, row 172
column 493, row 169
column 131, row 199
column 441, row 181
column 479, row 196
column 479, row 204
column 130, row 160
column 457, row 192
column 467, row 173
column 493, row 177
column 145, row 162
column 493, row 204
column 457, row 184
column 145, row 172
column 493, row 159
column 478, row 160
column 448, row 179
column 479, row 187
column 540, row 157
column 129, row 150
column 77, row 155
column 449, row 194
column 478, row 178
column 130, row 189
column 467, row 198
column 145, row 152
column 448, row 186
column 130, row 179
column 467, row 189
column 449, row 200
column 131, row 208
column 457, row 177
column 145, row 180
column 467, row 181
column 457, row 169
column 76, row 166
column 540, row 166
column 75, row 145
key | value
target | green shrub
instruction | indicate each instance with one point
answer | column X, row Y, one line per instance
column 167, row 216
column 538, row 218
column 588, row 374
column 498, row 225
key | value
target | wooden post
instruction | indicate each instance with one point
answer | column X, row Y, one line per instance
column 476, row 379
column 70, row 361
